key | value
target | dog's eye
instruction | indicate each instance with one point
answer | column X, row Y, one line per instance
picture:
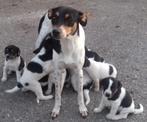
column 26, row 84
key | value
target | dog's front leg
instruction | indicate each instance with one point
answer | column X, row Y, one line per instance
column 59, row 82
column 36, row 88
column 82, row 107
column 113, row 111
column 18, row 75
column 100, row 107
column 4, row 76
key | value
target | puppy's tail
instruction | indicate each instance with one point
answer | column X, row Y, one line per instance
column 139, row 110
column 13, row 90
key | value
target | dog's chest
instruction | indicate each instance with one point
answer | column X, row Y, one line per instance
column 72, row 51
column 12, row 64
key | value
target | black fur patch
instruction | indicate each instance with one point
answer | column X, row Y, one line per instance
column 49, row 44
column 35, row 67
column 116, row 95
column 110, row 70
column 127, row 100
column 44, row 79
column 40, row 23
column 88, row 85
column 22, row 64
column 94, row 55
column 19, row 85
column 86, row 63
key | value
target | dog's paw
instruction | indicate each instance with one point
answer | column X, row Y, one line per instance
column 83, row 111
column 3, row 79
column 55, row 112
column 97, row 110
column 109, row 116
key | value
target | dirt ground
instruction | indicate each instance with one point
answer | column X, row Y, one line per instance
column 117, row 30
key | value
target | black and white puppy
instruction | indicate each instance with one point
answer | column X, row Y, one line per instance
column 13, row 62
column 99, row 70
column 40, row 66
column 67, row 26
column 118, row 98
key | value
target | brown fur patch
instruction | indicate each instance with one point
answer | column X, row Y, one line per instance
column 70, row 30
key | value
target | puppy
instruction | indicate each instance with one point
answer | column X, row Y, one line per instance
column 67, row 26
column 99, row 70
column 117, row 97
column 40, row 66
column 13, row 62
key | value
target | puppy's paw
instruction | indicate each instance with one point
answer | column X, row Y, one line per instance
column 97, row 110
column 83, row 111
column 3, row 79
column 109, row 116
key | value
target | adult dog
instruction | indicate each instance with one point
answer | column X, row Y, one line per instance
column 67, row 27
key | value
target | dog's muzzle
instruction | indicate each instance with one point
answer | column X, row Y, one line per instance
column 19, row 85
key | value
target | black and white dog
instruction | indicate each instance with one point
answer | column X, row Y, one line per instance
column 67, row 27
column 40, row 66
column 99, row 70
column 117, row 97
column 13, row 62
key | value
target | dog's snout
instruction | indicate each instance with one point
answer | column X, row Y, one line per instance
column 19, row 85
column 56, row 33
column 107, row 94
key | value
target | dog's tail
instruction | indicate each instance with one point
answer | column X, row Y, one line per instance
column 139, row 110
column 13, row 90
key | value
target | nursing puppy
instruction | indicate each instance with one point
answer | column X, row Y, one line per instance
column 118, row 98
column 67, row 27
column 99, row 70
column 13, row 62
column 40, row 66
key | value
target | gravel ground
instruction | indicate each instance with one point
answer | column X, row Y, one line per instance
column 117, row 30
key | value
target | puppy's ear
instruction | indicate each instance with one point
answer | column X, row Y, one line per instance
column 50, row 11
column 36, row 51
column 18, row 53
column 83, row 18
column 119, row 85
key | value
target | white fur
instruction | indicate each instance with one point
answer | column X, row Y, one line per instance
column 99, row 70
column 115, row 107
column 45, row 29
column 11, row 65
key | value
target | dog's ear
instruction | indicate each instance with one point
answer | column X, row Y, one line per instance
column 119, row 85
column 36, row 51
column 83, row 18
column 18, row 52
column 50, row 11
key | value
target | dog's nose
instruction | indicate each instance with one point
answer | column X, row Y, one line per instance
column 56, row 33
column 107, row 95
column 19, row 85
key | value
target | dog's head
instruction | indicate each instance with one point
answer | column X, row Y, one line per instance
column 11, row 52
column 110, row 86
column 65, row 21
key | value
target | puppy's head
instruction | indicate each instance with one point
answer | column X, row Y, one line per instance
column 65, row 21
column 110, row 86
column 11, row 52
